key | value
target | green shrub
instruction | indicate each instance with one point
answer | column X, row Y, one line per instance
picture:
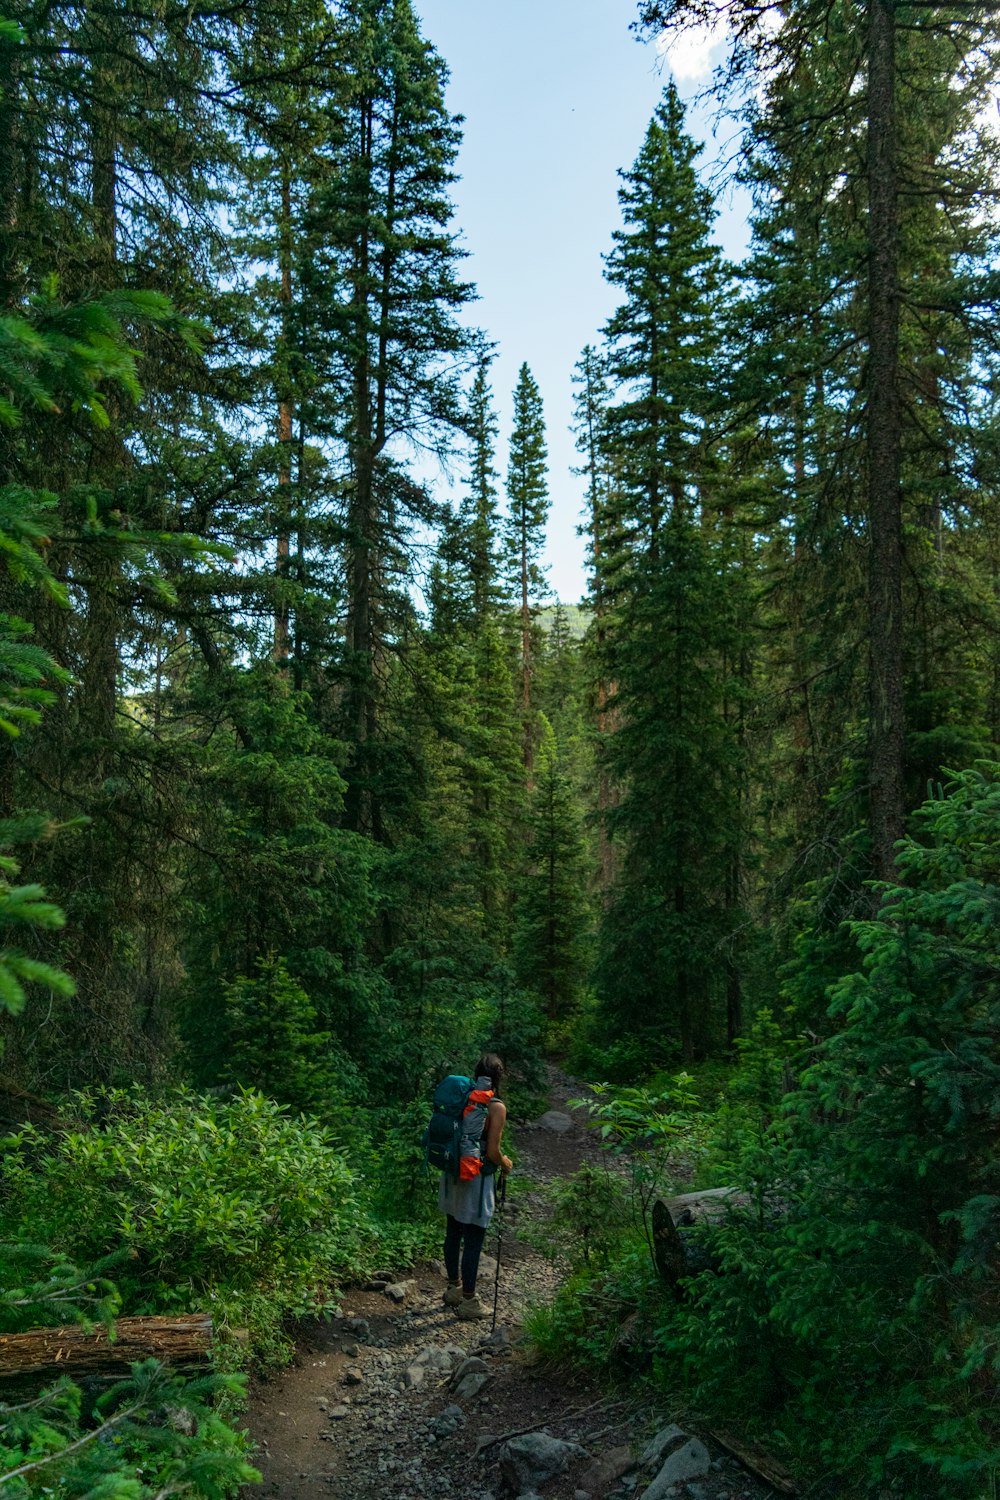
column 589, row 1222
column 639, row 1128
column 225, row 1205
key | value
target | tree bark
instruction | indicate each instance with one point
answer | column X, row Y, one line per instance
column 184, row 1340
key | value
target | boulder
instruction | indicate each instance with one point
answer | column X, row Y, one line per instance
column 531, row 1459
column 471, row 1366
column 689, row 1462
column 556, row 1121
column 398, row 1291
column 470, row 1385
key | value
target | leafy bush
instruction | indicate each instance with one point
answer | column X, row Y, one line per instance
column 638, row 1127
column 228, row 1205
column 590, row 1217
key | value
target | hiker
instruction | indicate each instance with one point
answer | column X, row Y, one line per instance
column 469, row 1204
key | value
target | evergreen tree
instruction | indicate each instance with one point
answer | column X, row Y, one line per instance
column 669, row 624
column 528, row 502
column 389, row 337
column 661, row 973
column 478, row 515
column 664, row 335
column 552, row 945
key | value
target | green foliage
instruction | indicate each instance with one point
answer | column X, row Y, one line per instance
column 516, row 1033
column 39, row 1286
column 583, row 1322
column 273, row 1044
column 226, row 1205
column 638, row 1127
column 745, row 1139
column 863, row 1284
column 154, row 1433
column 589, row 1218
column 552, row 939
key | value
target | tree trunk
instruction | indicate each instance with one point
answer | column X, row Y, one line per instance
column 884, row 438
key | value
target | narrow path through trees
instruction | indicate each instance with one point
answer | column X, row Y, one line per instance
column 399, row 1400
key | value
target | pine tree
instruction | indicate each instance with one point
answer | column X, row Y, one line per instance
column 862, row 178
column 662, row 339
column 669, row 634
column 528, row 508
column 478, row 515
column 552, row 944
column 389, row 337
column 602, row 529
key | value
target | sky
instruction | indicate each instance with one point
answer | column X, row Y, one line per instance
column 556, row 96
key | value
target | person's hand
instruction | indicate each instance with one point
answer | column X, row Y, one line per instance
column 507, row 1164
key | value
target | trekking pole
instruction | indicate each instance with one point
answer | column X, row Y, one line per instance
column 496, row 1284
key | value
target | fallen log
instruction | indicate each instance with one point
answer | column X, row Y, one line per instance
column 756, row 1460
column 709, row 1206
column 184, row 1341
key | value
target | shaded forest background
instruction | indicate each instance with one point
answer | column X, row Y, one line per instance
column 309, row 787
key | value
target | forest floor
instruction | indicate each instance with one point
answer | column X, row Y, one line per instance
column 368, row 1410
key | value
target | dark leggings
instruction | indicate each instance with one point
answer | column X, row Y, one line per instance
column 473, row 1235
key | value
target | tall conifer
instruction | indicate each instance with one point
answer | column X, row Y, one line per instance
column 528, row 501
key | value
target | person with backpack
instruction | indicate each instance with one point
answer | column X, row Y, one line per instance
column 467, row 1195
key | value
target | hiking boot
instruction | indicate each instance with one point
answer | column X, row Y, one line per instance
column 452, row 1296
column 471, row 1307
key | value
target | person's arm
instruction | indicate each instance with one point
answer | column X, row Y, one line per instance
column 496, row 1119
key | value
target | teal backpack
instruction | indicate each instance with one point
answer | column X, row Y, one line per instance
column 453, row 1140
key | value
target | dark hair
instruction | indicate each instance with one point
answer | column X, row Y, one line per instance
column 491, row 1066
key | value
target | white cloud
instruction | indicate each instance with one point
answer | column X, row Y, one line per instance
column 693, row 52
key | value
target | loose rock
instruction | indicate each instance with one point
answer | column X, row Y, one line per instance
column 556, row 1121
column 470, row 1385
column 473, row 1365
column 689, row 1462
column 398, row 1291
column 534, row 1458
column 351, row 1376
column 604, row 1471
column 441, row 1361
column 667, row 1438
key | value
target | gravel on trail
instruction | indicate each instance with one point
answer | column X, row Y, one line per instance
column 398, row 1399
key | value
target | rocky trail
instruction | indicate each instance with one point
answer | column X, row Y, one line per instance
column 397, row 1399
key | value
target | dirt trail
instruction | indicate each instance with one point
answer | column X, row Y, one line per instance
column 363, row 1414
